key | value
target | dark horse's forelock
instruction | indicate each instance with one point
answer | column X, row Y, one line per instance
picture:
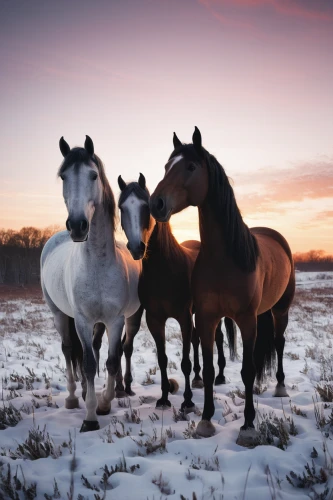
column 133, row 187
column 80, row 156
column 241, row 245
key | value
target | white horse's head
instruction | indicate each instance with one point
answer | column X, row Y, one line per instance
column 84, row 187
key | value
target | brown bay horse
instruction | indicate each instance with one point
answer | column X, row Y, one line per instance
column 244, row 274
column 164, row 290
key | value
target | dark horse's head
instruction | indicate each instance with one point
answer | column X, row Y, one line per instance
column 186, row 180
column 135, row 215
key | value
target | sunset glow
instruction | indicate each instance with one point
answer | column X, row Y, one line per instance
column 256, row 77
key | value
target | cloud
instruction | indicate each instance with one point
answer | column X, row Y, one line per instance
column 268, row 190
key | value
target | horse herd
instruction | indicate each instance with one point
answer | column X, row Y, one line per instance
column 93, row 283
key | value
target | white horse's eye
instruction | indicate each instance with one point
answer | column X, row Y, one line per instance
column 94, row 176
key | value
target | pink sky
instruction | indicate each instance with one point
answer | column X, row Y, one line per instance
column 256, row 77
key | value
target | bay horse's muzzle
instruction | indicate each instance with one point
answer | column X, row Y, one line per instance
column 78, row 229
column 137, row 251
column 158, row 209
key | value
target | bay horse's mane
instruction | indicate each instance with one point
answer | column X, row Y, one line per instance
column 241, row 244
column 79, row 156
column 161, row 237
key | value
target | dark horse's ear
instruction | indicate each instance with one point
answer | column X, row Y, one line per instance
column 121, row 183
column 197, row 141
column 64, row 147
column 89, row 146
column 142, row 181
column 176, row 141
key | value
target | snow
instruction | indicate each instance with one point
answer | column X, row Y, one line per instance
column 213, row 468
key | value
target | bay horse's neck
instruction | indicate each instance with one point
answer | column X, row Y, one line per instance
column 101, row 241
column 223, row 232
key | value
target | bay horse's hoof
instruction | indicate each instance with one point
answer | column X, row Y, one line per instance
column 220, row 379
column 249, row 438
column 205, row 428
column 197, row 383
column 174, row 386
column 89, row 425
column 189, row 409
column 71, row 403
column 121, row 394
column 280, row 391
column 163, row 404
column 129, row 392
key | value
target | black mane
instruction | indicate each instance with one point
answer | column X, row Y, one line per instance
column 80, row 156
column 241, row 244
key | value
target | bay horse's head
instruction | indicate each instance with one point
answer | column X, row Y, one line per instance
column 185, row 182
column 85, row 186
column 135, row 215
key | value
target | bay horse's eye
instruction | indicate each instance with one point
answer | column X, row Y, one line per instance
column 191, row 167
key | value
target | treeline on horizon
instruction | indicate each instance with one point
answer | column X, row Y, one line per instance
column 20, row 255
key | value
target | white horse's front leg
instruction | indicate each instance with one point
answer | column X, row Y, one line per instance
column 114, row 329
column 85, row 332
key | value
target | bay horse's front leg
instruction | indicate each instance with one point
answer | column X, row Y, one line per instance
column 186, row 326
column 248, row 327
column 197, row 382
column 220, row 379
column 85, row 332
column 206, row 327
column 115, row 330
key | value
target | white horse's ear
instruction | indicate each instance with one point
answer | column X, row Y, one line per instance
column 142, row 181
column 121, row 183
column 197, row 141
column 64, row 147
column 176, row 141
column 89, row 146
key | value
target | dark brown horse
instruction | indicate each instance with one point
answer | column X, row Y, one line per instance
column 164, row 289
column 239, row 273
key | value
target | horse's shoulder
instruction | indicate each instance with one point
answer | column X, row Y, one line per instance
column 55, row 241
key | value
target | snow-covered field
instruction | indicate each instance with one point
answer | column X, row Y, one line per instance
column 143, row 453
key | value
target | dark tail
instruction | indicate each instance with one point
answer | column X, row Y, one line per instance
column 232, row 338
column 264, row 350
column 77, row 351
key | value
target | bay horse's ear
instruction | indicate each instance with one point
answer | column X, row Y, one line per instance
column 89, row 146
column 64, row 147
column 197, row 141
column 142, row 181
column 121, row 183
column 176, row 141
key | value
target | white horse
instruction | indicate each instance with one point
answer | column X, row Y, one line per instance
column 88, row 276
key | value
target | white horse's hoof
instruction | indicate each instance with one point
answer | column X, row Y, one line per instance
column 104, row 406
column 71, row 403
column 280, row 391
column 205, row 428
column 248, row 438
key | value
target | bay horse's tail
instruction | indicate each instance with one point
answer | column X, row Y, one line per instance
column 77, row 351
column 232, row 339
column 264, row 350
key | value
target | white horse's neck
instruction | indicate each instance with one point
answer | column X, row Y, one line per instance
column 100, row 242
